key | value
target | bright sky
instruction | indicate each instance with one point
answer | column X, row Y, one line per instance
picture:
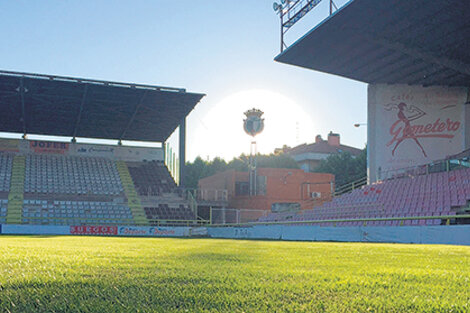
column 222, row 48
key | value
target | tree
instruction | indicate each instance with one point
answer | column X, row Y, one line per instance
column 345, row 167
column 194, row 171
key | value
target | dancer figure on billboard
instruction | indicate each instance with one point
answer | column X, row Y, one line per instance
column 408, row 132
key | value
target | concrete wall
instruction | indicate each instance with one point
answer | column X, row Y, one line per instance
column 456, row 235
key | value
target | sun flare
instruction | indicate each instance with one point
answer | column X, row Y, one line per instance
column 285, row 123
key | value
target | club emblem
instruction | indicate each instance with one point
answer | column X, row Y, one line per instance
column 253, row 124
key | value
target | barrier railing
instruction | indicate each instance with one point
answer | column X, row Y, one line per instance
column 447, row 218
column 209, row 194
column 122, row 222
column 350, row 186
column 434, row 167
column 199, row 222
column 192, row 203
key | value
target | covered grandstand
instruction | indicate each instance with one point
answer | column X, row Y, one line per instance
column 70, row 183
column 394, row 42
column 415, row 56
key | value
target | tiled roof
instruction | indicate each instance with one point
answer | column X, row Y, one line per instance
column 324, row 148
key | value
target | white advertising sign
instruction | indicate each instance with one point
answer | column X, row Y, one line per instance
column 122, row 153
column 413, row 125
column 153, row 231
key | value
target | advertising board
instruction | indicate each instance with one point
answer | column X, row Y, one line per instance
column 413, row 125
column 112, row 152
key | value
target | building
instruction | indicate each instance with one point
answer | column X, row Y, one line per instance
column 279, row 189
column 308, row 156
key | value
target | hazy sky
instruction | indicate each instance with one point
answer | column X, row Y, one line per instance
column 222, row 48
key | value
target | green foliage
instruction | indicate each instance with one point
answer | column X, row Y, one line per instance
column 276, row 161
column 345, row 167
column 200, row 168
column 105, row 274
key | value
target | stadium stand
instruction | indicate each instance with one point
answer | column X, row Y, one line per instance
column 436, row 194
column 70, row 183
column 54, row 189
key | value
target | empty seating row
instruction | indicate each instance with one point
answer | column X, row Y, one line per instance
column 151, row 178
column 71, row 175
column 436, row 194
column 3, row 210
column 6, row 162
column 164, row 212
column 72, row 212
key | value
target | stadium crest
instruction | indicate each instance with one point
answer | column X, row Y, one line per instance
column 253, row 124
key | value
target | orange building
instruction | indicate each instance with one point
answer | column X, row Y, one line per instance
column 278, row 189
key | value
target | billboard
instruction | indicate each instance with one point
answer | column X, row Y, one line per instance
column 113, row 152
column 153, row 231
column 104, row 230
column 45, row 147
column 413, row 125
column 94, row 230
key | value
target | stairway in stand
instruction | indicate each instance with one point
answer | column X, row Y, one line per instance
column 131, row 194
column 16, row 195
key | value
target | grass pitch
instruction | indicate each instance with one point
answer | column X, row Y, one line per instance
column 96, row 274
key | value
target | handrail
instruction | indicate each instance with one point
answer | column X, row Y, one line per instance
column 446, row 165
column 192, row 203
column 376, row 219
column 351, row 186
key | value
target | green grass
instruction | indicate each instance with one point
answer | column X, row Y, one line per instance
column 99, row 274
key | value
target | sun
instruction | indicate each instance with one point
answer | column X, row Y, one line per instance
column 222, row 135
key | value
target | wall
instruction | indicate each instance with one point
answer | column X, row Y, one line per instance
column 456, row 234
column 413, row 125
column 282, row 185
column 113, row 152
column 224, row 180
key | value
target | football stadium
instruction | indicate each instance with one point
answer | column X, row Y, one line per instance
column 87, row 226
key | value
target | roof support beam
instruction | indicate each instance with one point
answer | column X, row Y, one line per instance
column 133, row 115
column 23, row 115
column 85, row 92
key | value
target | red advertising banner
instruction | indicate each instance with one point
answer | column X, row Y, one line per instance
column 48, row 147
column 93, row 230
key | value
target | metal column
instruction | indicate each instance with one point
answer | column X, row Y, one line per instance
column 182, row 152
